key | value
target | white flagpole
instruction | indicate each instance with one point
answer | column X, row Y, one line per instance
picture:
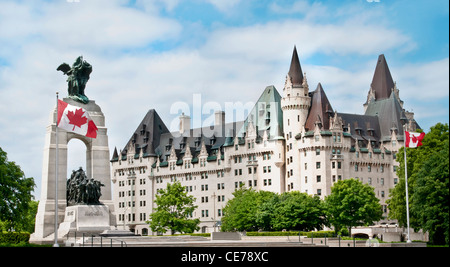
column 406, row 187
column 56, row 176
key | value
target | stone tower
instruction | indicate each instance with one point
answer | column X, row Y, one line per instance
column 97, row 167
column 295, row 105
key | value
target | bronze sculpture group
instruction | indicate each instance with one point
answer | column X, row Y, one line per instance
column 82, row 190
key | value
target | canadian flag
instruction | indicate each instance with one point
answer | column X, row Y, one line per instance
column 413, row 140
column 75, row 119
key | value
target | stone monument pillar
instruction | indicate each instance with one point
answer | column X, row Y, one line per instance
column 97, row 167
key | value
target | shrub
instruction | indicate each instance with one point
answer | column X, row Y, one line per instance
column 294, row 233
column 14, row 237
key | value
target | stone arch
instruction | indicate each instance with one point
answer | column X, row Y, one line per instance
column 88, row 142
column 361, row 235
column 76, row 155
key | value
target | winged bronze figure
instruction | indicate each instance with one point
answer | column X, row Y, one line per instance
column 78, row 76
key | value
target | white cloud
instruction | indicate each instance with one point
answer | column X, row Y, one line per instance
column 87, row 26
column 259, row 42
column 425, row 81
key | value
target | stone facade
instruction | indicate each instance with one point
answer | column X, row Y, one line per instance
column 290, row 142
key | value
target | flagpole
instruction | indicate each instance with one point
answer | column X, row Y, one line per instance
column 56, row 176
column 406, row 185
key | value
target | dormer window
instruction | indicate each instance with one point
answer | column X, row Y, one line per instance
column 183, row 143
column 358, row 131
column 144, row 126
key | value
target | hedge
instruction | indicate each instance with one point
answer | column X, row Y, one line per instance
column 294, row 233
column 14, row 237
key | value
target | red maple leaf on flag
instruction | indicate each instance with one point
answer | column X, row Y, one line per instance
column 76, row 118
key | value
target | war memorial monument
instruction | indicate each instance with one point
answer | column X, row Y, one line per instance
column 83, row 201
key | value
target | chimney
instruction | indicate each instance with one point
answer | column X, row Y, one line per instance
column 185, row 123
column 219, row 118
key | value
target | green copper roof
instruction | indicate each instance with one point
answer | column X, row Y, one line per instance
column 266, row 115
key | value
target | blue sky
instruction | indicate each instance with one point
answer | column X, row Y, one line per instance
column 150, row 54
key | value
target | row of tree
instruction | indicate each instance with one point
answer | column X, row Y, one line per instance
column 351, row 203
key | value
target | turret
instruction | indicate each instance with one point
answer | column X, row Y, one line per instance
column 295, row 105
column 296, row 101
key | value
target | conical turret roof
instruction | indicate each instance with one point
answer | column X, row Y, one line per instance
column 382, row 82
column 295, row 71
column 320, row 108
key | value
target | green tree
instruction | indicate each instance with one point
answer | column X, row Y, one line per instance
column 174, row 208
column 15, row 194
column 352, row 203
column 292, row 211
column 430, row 201
column 240, row 212
column 427, row 186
